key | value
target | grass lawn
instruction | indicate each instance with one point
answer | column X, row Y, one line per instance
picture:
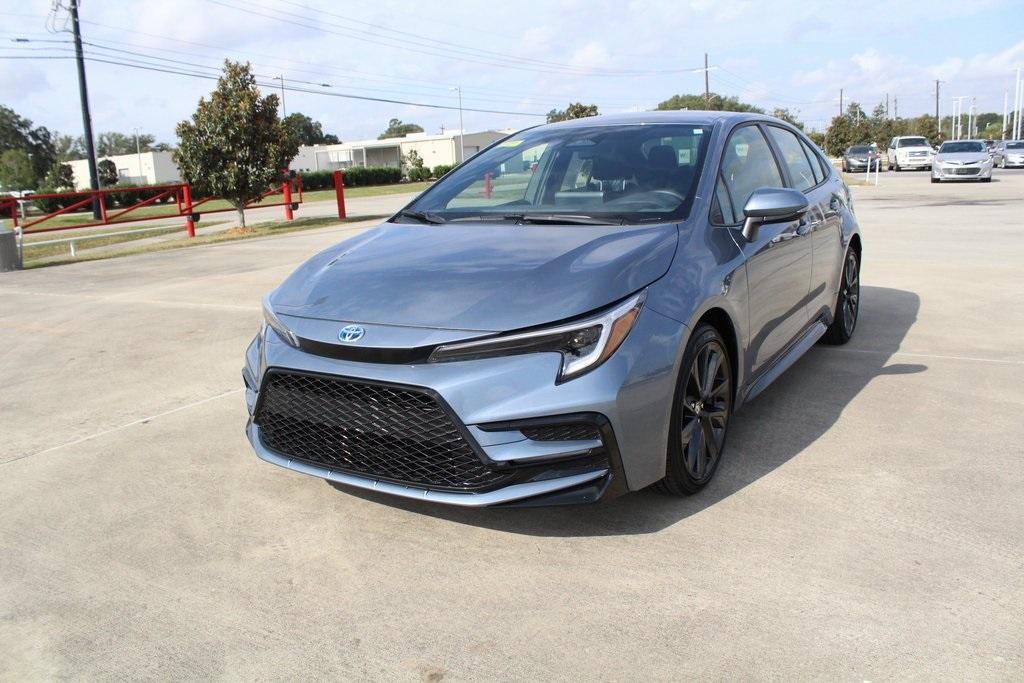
column 369, row 191
column 34, row 253
column 230, row 235
column 170, row 210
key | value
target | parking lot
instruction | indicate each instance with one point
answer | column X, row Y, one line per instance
column 865, row 525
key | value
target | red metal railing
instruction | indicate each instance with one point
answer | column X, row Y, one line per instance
column 180, row 193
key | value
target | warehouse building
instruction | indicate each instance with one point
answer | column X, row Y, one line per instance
column 144, row 168
column 433, row 149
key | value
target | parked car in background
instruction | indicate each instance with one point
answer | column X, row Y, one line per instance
column 962, row 160
column 1009, row 154
column 861, row 158
column 566, row 335
column 909, row 152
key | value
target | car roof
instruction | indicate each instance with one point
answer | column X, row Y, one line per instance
column 705, row 118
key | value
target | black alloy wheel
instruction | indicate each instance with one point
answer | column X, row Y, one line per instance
column 847, row 303
column 700, row 415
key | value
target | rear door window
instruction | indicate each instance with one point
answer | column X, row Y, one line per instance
column 793, row 156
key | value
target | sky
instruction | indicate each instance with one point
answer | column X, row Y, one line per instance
column 521, row 58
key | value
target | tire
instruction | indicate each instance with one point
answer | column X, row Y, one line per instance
column 935, row 180
column 701, row 410
column 986, row 180
column 844, row 323
column 896, row 167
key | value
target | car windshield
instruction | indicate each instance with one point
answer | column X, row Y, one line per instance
column 1015, row 145
column 860, row 149
column 962, row 146
column 598, row 174
column 913, row 142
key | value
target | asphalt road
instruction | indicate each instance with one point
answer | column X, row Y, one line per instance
column 867, row 523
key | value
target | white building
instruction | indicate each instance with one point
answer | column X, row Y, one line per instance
column 146, row 168
column 433, row 149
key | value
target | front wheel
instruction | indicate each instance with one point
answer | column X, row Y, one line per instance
column 847, row 303
column 700, row 414
column 934, row 179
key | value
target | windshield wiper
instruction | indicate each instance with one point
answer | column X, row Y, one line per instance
column 422, row 217
column 560, row 219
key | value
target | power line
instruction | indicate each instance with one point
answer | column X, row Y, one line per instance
column 462, row 54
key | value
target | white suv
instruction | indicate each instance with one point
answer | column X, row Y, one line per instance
column 910, row 151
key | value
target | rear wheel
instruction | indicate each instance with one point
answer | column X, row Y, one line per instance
column 700, row 414
column 847, row 303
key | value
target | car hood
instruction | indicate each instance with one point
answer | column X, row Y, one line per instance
column 963, row 157
column 476, row 276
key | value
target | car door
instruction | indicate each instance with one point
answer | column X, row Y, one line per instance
column 778, row 261
column 824, row 220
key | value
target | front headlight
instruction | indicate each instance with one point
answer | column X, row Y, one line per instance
column 274, row 323
column 584, row 345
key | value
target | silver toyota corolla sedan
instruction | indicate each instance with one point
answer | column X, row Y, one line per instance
column 575, row 312
column 962, row 160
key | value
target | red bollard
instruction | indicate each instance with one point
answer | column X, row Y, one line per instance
column 339, row 191
column 186, row 197
column 287, row 190
column 487, row 185
column 103, row 207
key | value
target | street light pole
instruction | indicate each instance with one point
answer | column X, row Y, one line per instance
column 138, row 153
column 462, row 131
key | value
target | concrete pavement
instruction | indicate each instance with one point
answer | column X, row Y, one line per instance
column 865, row 525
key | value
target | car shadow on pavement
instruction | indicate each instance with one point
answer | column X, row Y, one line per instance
column 766, row 433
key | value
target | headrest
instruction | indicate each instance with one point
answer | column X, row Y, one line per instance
column 610, row 168
column 662, row 157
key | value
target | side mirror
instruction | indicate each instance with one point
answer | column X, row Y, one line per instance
column 772, row 205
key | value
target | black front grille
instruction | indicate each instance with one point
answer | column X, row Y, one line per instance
column 966, row 171
column 400, row 434
column 566, row 432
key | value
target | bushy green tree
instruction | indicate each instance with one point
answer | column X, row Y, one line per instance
column 397, row 129
column 235, row 146
column 60, row 178
column 18, row 133
column 575, row 110
column 16, row 171
column 111, row 143
column 307, row 131
column 788, row 117
column 714, row 102
column 106, row 173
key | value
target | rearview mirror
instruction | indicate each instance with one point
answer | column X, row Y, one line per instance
column 772, row 205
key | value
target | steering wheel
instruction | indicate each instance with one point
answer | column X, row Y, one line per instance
column 670, row 193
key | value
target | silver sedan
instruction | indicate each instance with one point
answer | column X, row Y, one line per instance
column 962, row 160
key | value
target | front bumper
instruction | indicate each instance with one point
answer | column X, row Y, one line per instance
column 628, row 399
column 954, row 172
column 914, row 162
column 1013, row 162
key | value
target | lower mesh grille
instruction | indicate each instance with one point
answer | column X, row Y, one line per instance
column 401, row 434
column 568, row 432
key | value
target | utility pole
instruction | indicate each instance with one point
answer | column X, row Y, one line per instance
column 1018, row 103
column 887, row 105
column 284, row 112
column 840, row 101
column 895, row 107
column 90, row 150
column 937, row 126
column 138, row 153
column 707, row 86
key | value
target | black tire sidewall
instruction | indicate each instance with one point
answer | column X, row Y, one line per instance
column 677, row 479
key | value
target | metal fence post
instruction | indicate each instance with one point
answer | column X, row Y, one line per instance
column 186, row 195
column 286, row 190
column 339, row 192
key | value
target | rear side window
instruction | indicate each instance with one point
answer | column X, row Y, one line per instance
column 816, row 167
column 747, row 164
column 794, row 158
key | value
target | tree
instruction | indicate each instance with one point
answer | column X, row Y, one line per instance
column 307, row 131
column 575, row 110
column 397, row 129
column 16, row 171
column 112, row 144
column 788, row 117
column 235, row 146
column 106, row 172
column 68, row 147
column 18, row 133
column 60, row 177
column 854, row 111
column 714, row 102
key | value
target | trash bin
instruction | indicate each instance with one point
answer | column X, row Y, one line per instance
column 9, row 257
